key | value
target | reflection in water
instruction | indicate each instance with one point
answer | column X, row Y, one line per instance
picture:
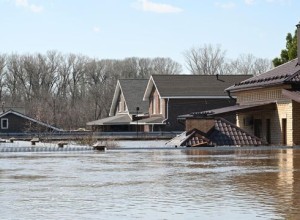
column 147, row 184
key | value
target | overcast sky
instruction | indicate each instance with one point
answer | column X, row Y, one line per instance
column 146, row 28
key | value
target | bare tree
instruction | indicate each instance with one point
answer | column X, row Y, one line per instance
column 166, row 66
column 206, row 60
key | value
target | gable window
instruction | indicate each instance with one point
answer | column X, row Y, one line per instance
column 4, row 123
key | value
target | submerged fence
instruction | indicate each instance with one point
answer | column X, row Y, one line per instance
column 72, row 135
column 44, row 149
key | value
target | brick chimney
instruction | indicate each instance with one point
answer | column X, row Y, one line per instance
column 298, row 42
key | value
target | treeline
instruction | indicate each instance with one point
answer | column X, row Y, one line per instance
column 67, row 90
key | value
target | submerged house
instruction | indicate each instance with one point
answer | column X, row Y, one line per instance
column 268, row 105
column 12, row 121
column 172, row 95
column 127, row 106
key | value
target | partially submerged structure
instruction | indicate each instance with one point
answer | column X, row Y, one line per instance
column 15, row 122
column 268, row 105
column 210, row 131
column 127, row 106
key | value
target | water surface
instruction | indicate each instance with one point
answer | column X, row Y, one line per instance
column 151, row 184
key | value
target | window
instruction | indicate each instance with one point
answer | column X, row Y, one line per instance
column 4, row 123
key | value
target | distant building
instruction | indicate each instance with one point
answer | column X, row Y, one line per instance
column 127, row 106
column 172, row 95
column 15, row 122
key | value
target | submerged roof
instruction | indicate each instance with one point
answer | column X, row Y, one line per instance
column 286, row 73
column 133, row 91
column 189, row 86
column 223, row 133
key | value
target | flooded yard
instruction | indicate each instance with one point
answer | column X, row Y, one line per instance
column 132, row 182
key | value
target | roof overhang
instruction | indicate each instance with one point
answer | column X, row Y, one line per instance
column 150, row 121
column 230, row 110
column 294, row 95
column 122, row 119
column 197, row 97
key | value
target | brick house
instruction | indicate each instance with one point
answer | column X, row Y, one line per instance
column 268, row 105
column 128, row 96
column 172, row 95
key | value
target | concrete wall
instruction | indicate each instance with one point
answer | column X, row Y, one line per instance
column 203, row 125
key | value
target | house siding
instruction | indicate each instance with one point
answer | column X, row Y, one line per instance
column 156, row 110
column 261, row 95
column 284, row 110
column 178, row 107
column 18, row 124
column 296, row 123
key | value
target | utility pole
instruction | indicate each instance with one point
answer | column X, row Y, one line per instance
column 137, row 122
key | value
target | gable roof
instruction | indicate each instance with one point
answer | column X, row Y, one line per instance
column 286, row 73
column 30, row 119
column 192, row 86
column 133, row 91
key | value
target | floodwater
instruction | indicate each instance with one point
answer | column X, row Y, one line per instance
column 127, row 183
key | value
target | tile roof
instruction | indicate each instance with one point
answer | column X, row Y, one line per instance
column 285, row 73
column 133, row 91
column 223, row 133
column 195, row 85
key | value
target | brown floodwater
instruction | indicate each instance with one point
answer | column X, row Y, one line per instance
column 252, row 183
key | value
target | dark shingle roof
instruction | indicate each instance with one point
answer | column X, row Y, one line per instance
column 195, row 85
column 223, row 133
column 285, row 73
column 133, row 91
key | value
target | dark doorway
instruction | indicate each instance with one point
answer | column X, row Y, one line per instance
column 284, row 131
column 268, row 131
column 257, row 127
